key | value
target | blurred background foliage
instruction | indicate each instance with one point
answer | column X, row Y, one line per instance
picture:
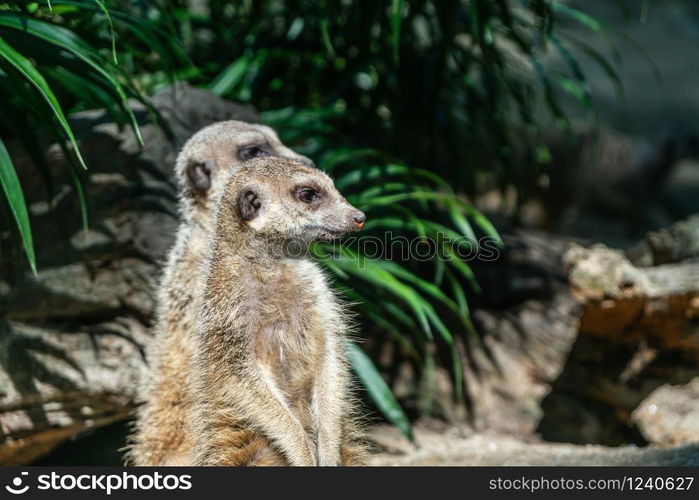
column 412, row 105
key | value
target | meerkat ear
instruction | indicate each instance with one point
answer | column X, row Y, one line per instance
column 249, row 204
column 199, row 175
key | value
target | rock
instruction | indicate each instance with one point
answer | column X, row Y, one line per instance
column 674, row 244
column 526, row 322
column 637, row 331
column 574, row 337
column 525, row 350
column 670, row 414
column 656, row 305
column 72, row 337
column 457, row 446
column 595, row 176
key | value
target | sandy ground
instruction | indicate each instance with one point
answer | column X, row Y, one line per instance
column 455, row 446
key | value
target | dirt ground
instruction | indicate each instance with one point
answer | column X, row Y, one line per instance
column 455, row 446
column 439, row 444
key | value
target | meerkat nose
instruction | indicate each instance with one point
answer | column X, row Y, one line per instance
column 359, row 218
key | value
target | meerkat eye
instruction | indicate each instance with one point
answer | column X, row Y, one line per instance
column 249, row 152
column 307, row 195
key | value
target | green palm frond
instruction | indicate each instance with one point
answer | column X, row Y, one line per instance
column 47, row 68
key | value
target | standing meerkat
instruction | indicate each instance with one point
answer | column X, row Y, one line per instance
column 159, row 436
column 271, row 382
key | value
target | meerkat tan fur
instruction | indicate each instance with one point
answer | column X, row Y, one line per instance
column 160, row 436
column 270, row 379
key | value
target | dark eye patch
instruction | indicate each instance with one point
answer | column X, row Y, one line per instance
column 251, row 151
column 308, row 194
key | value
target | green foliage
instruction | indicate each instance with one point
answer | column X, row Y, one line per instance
column 409, row 104
column 46, row 66
column 15, row 199
column 379, row 392
column 451, row 85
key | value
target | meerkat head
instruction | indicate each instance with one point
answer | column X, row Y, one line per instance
column 278, row 198
column 216, row 149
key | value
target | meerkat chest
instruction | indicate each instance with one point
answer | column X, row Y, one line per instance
column 291, row 336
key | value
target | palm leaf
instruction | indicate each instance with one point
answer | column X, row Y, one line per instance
column 15, row 199
column 64, row 39
column 30, row 73
column 378, row 391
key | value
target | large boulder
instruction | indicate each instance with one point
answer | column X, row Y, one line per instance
column 670, row 414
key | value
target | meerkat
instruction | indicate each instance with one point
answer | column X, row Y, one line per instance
column 271, row 382
column 159, row 437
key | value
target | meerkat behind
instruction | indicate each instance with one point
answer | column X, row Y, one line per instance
column 160, row 436
column 270, row 379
